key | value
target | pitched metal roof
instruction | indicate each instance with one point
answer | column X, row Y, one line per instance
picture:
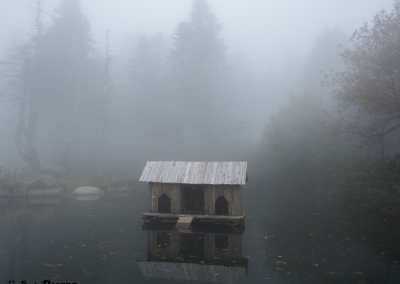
column 193, row 271
column 195, row 172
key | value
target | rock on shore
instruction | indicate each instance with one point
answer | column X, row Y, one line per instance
column 86, row 190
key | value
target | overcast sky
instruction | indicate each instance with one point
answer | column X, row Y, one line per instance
column 273, row 37
column 261, row 29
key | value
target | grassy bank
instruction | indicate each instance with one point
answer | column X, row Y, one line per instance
column 368, row 184
column 68, row 182
column 371, row 184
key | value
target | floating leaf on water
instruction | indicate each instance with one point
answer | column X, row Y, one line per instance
column 281, row 262
column 52, row 265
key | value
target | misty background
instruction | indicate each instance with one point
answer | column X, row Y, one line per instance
column 181, row 80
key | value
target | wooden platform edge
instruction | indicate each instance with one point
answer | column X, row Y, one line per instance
column 159, row 217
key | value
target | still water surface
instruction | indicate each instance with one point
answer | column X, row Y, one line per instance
column 102, row 241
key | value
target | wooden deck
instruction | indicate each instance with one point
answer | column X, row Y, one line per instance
column 154, row 217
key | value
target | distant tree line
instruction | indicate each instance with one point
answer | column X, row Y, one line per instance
column 174, row 103
column 333, row 138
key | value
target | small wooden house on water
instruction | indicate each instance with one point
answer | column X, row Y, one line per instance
column 195, row 190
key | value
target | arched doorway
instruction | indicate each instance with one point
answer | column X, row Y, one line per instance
column 164, row 204
column 163, row 239
column 192, row 198
column 221, row 206
column 221, row 242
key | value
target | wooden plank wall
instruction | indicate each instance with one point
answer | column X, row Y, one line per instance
column 171, row 190
column 232, row 193
column 232, row 253
column 155, row 252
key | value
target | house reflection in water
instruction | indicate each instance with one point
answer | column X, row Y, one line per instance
column 213, row 256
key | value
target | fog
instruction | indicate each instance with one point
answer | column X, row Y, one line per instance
column 272, row 52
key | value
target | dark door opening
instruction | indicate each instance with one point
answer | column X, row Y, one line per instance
column 221, row 242
column 163, row 239
column 192, row 199
column 164, row 204
column 191, row 246
column 221, row 206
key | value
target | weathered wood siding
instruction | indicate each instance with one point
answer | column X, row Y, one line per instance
column 161, row 261
column 232, row 193
column 171, row 190
column 156, row 252
column 233, row 252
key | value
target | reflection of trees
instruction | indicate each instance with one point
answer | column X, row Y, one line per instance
column 20, row 214
column 18, row 247
column 324, row 245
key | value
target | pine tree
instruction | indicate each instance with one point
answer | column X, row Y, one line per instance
column 198, row 72
column 108, row 59
column 24, row 71
column 68, row 48
column 147, row 77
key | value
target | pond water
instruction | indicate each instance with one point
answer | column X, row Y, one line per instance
column 102, row 241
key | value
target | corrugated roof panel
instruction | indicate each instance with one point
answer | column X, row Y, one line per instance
column 236, row 177
column 196, row 175
column 194, row 272
column 149, row 167
column 166, row 171
column 212, row 172
column 242, row 173
column 207, row 176
column 233, row 172
column 228, row 173
column 195, row 172
column 175, row 176
column 171, row 172
column 203, row 173
column 161, row 172
column 188, row 172
column 145, row 172
column 154, row 171
column 157, row 177
column 220, row 178
column 182, row 172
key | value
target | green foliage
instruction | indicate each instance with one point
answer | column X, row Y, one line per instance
column 43, row 182
column 121, row 180
column 19, row 183
column 367, row 91
column 300, row 156
column 295, row 141
column 372, row 184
